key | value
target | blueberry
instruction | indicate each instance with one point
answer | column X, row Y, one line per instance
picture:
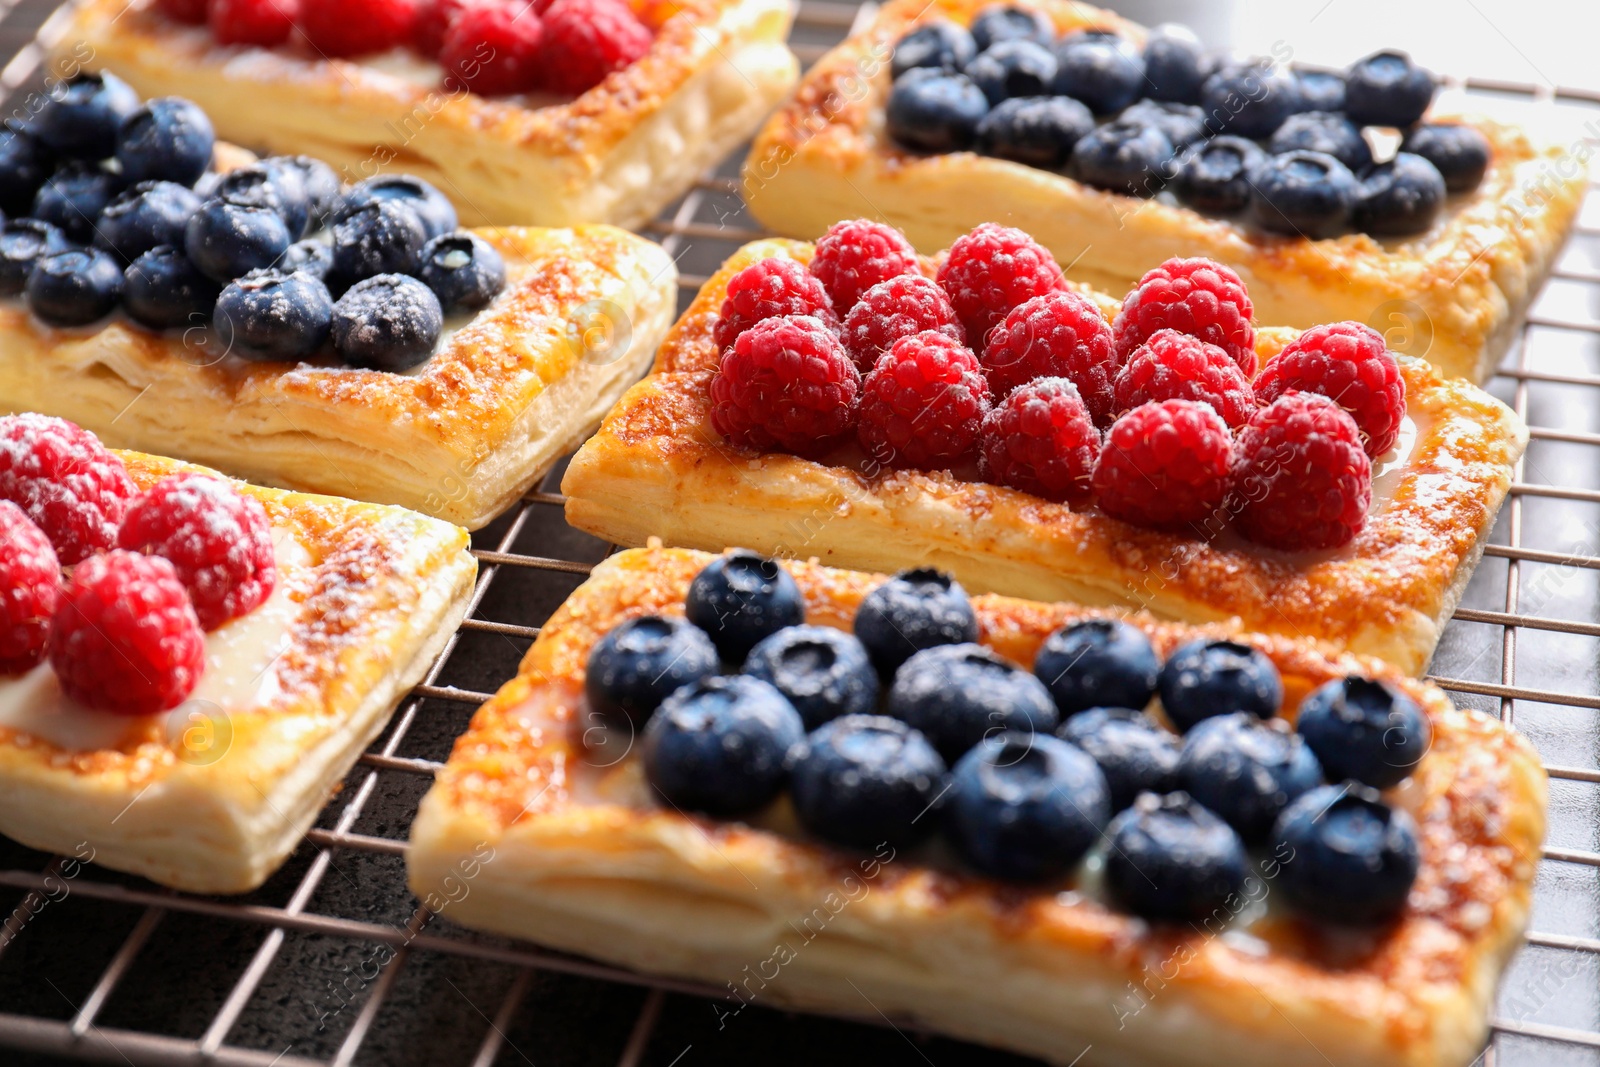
column 390, row 322
column 1098, row 663
column 958, row 695
column 319, row 180
column 380, row 237
column 74, row 196
column 1246, row 769
column 1025, row 808
column 169, row 139
column 75, row 287
column 1171, row 860
column 1325, row 132
column 227, row 241
column 278, row 189
column 1013, row 68
column 1174, row 64
column 719, row 745
column 1321, row 90
column 938, row 44
column 1136, row 753
column 867, row 780
column 935, row 113
column 1349, row 858
column 149, row 214
column 1205, row 678
column 1364, row 730
column 311, row 256
column 1459, row 152
column 81, row 118
column 463, row 270
column 1387, row 89
column 824, row 672
column 640, row 662
column 24, row 166
column 998, row 22
column 914, row 610
column 1124, row 157
column 1249, row 99
column 741, row 597
column 1304, row 194
column 273, row 315
column 162, row 290
column 1184, row 124
column 1400, row 197
column 23, row 242
column 1039, row 131
column 432, row 207
column 1105, row 73
column 1215, row 176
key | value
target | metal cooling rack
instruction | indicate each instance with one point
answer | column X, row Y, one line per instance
column 334, row 963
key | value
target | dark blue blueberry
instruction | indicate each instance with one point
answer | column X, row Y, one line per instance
column 1303, row 194
column 1321, row 90
column 311, row 256
column 149, row 214
column 914, row 610
column 1205, row 678
column 1025, row 808
column 1249, row 99
column 1184, row 124
column 1136, row 753
column 1013, row 68
column 162, row 290
column 390, row 322
column 1346, row 856
column 438, row 215
column 380, row 237
column 639, row 663
column 1459, row 152
column 1247, row 770
column 1175, row 64
column 169, row 139
column 228, row 241
column 998, row 22
column 1326, row 132
column 824, row 672
column 867, row 780
column 1124, row 157
column 75, row 287
column 23, row 242
column 1387, row 89
column 1364, row 730
column 278, row 189
column 273, row 315
column 464, row 271
column 1400, row 197
column 1215, row 176
column 741, row 597
column 1104, row 72
column 936, row 112
column 1171, row 860
column 939, row 44
column 24, row 166
column 74, row 196
column 319, row 180
column 719, row 745
column 958, row 695
column 1039, row 131
column 1098, row 663
column 81, row 118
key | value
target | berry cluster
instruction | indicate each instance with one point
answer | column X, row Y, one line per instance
column 151, row 572
column 908, row 727
column 1285, row 149
column 113, row 204
column 998, row 367
column 493, row 47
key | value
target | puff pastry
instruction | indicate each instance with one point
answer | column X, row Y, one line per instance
column 619, row 153
column 507, row 393
column 1455, row 295
column 658, row 468
column 583, row 860
column 214, row 795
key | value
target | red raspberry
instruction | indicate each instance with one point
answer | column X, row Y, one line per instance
column 124, row 637
column 1041, row 440
column 355, row 27
column 434, row 18
column 894, row 309
column 1301, row 478
column 1348, row 363
column 786, row 383
column 190, row 11
column 1175, row 366
column 992, row 270
column 1199, row 297
column 69, row 485
column 1058, row 335
column 854, row 256
column 30, row 585
column 1165, row 465
column 256, row 22
column 768, row 290
column 923, row 404
column 494, row 49
column 584, row 40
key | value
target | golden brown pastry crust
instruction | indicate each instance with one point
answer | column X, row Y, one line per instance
column 583, row 860
column 1455, row 294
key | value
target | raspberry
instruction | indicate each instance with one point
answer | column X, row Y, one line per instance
column 854, row 256
column 923, row 404
column 1199, row 297
column 354, row 27
column 1058, row 335
column 584, row 40
column 217, row 539
column 767, row 290
column 258, row 22
column 787, row 383
column 992, row 270
column 494, row 49
column 1301, row 478
column 1040, row 439
column 434, row 18
column 1175, row 366
column 894, row 309
column 124, row 637
column 69, row 485
column 1348, row 363
column 30, row 585
column 190, row 11
column 1164, row 465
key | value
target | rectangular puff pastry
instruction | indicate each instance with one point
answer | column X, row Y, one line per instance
column 509, row 391
column 657, row 468
column 214, row 795
column 1455, row 295
column 619, row 153
column 584, row 860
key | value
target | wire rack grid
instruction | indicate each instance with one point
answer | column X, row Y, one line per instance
column 334, row 963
